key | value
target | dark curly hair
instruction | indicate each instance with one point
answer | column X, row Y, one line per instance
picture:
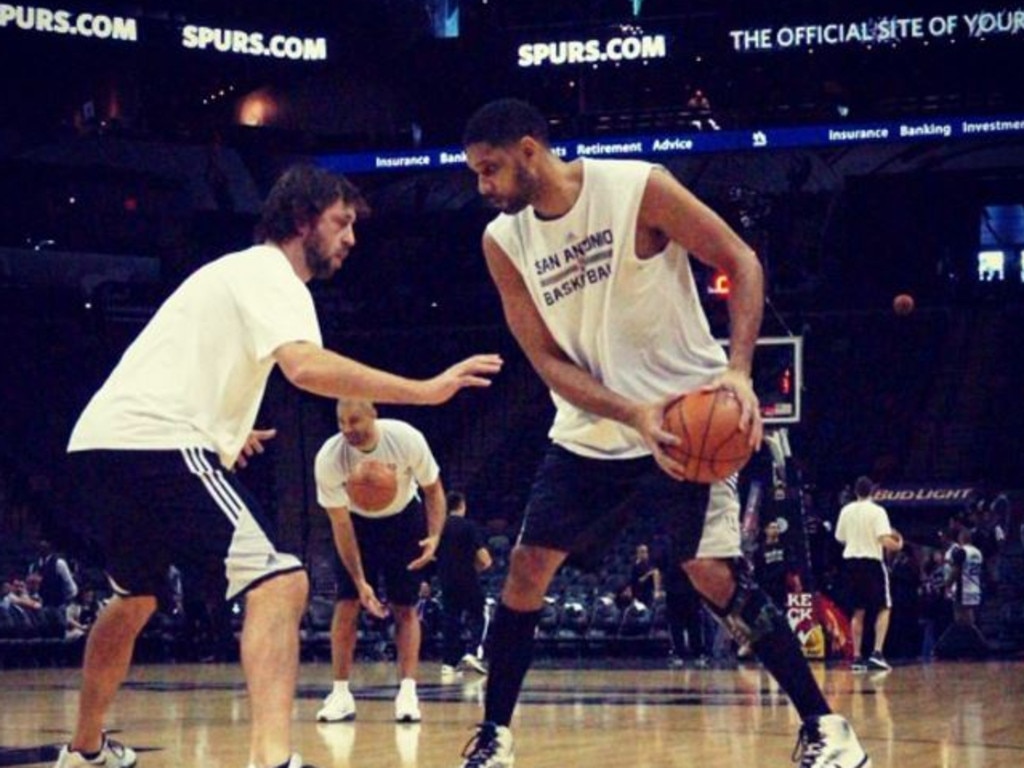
column 299, row 196
column 505, row 121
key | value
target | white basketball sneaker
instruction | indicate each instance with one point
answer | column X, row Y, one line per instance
column 407, row 704
column 112, row 754
column 491, row 747
column 829, row 742
column 471, row 662
column 338, row 707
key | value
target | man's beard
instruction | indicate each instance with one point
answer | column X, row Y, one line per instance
column 319, row 263
column 526, row 188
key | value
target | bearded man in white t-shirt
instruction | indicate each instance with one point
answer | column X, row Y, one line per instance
column 155, row 442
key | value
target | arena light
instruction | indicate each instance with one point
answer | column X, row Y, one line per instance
column 720, row 285
column 257, row 109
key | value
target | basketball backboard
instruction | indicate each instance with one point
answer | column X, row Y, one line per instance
column 778, row 377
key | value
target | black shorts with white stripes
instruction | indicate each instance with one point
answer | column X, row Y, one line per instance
column 868, row 583
column 149, row 509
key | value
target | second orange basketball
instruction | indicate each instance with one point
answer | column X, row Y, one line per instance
column 711, row 445
column 372, row 486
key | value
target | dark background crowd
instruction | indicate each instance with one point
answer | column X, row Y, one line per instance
column 124, row 166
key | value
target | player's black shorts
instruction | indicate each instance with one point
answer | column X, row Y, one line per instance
column 386, row 547
column 868, row 582
column 580, row 505
column 149, row 509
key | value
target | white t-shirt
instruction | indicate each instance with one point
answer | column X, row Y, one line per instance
column 636, row 325
column 860, row 524
column 195, row 376
column 399, row 444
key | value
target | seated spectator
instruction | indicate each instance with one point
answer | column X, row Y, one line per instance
column 700, row 109
column 80, row 614
column 21, row 599
column 5, row 590
column 32, row 584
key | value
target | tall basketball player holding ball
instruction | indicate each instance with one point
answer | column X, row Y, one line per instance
column 592, row 262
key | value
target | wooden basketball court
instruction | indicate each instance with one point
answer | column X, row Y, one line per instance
column 943, row 715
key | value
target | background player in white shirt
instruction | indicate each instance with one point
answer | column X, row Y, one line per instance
column 864, row 531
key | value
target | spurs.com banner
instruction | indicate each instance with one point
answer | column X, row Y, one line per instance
column 144, row 30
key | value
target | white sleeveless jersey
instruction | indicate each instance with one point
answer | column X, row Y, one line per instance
column 967, row 589
column 636, row 325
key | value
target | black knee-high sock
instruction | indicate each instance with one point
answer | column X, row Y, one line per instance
column 752, row 617
column 510, row 652
column 780, row 652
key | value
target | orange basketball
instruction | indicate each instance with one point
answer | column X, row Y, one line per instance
column 711, row 445
column 903, row 304
column 372, row 486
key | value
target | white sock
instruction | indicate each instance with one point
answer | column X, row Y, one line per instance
column 340, row 687
column 408, row 684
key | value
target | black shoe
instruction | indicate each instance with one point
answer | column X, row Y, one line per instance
column 876, row 661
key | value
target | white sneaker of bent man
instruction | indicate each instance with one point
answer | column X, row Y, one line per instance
column 407, row 704
column 339, row 707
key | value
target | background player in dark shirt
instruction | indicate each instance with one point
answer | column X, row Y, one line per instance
column 461, row 557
